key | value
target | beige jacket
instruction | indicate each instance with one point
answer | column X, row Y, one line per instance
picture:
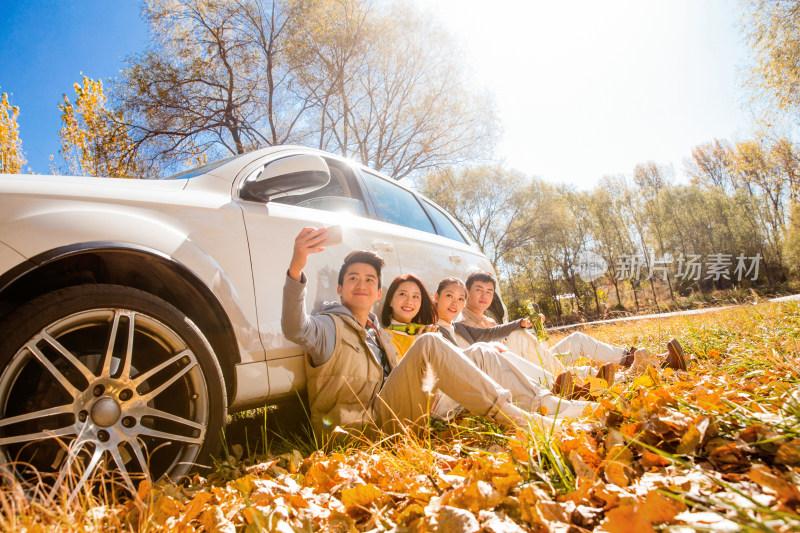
column 475, row 320
column 341, row 391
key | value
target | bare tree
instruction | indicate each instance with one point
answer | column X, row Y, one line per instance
column 501, row 209
column 388, row 90
column 381, row 84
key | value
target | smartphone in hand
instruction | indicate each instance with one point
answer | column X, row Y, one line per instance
column 334, row 236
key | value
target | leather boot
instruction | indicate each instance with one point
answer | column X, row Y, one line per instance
column 675, row 358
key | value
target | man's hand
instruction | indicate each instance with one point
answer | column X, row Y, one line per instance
column 306, row 243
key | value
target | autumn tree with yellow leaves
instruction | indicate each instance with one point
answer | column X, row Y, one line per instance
column 772, row 28
column 94, row 139
column 11, row 158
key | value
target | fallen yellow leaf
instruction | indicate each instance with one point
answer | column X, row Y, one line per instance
column 360, row 496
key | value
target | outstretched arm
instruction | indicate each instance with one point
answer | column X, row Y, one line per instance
column 315, row 334
column 495, row 333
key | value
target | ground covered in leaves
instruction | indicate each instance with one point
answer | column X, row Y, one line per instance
column 715, row 448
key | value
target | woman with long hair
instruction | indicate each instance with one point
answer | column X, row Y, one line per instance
column 408, row 311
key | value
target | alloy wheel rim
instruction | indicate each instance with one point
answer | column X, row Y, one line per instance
column 140, row 388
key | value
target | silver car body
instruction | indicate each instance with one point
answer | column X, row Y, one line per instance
column 230, row 254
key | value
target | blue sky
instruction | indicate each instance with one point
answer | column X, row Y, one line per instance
column 583, row 88
column 46, row 45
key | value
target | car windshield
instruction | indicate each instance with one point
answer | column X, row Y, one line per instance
column 198, row 171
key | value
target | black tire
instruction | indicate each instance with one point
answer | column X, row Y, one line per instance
column 73, row 387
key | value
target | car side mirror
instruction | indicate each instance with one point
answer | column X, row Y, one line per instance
column 287, row 176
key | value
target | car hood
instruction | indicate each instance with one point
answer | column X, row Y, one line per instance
column 38, row 182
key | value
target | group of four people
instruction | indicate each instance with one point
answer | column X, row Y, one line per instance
column 369, row 376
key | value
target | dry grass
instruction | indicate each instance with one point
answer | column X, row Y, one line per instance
column 717, row 447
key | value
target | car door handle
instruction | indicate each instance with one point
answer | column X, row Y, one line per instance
column 382, row 246
column 457, row 259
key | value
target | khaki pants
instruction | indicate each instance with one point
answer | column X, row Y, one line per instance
column 479, row 378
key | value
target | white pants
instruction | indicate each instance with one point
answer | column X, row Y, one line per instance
column 521, row 377
column 581, row 345
column 528, row 347
column 574, row 346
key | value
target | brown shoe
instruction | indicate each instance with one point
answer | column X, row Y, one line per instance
column 627, row 361
column 564, row 384
column 566, row 387
column 606, row 372
column 675, row 358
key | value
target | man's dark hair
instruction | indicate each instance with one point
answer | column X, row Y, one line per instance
column 363, row 256
column 481, row 275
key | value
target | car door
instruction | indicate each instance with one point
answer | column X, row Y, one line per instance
column 467, row 255
column 271, row 229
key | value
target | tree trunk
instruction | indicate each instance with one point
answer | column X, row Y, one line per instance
column 596, row 302
column 635, row 296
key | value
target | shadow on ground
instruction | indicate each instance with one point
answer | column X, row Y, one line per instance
column 282, row 428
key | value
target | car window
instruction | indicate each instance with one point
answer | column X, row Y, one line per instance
column 397, row 205
column 340, row 194
column 444, row 226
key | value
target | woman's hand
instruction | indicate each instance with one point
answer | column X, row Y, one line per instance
column 427, row 329
column 526, row 323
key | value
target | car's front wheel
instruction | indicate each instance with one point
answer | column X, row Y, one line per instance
column 105, row 378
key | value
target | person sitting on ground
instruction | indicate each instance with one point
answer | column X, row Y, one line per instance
column 355, row 380
column 450, row 299
column 408, row 312
column 481, row 287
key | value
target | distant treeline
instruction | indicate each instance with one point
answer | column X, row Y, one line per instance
column 637, row 241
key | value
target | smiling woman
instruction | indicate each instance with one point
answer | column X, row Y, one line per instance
column 408, row 311
column 451, row 296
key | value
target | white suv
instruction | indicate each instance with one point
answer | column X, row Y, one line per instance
column 134, row 314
